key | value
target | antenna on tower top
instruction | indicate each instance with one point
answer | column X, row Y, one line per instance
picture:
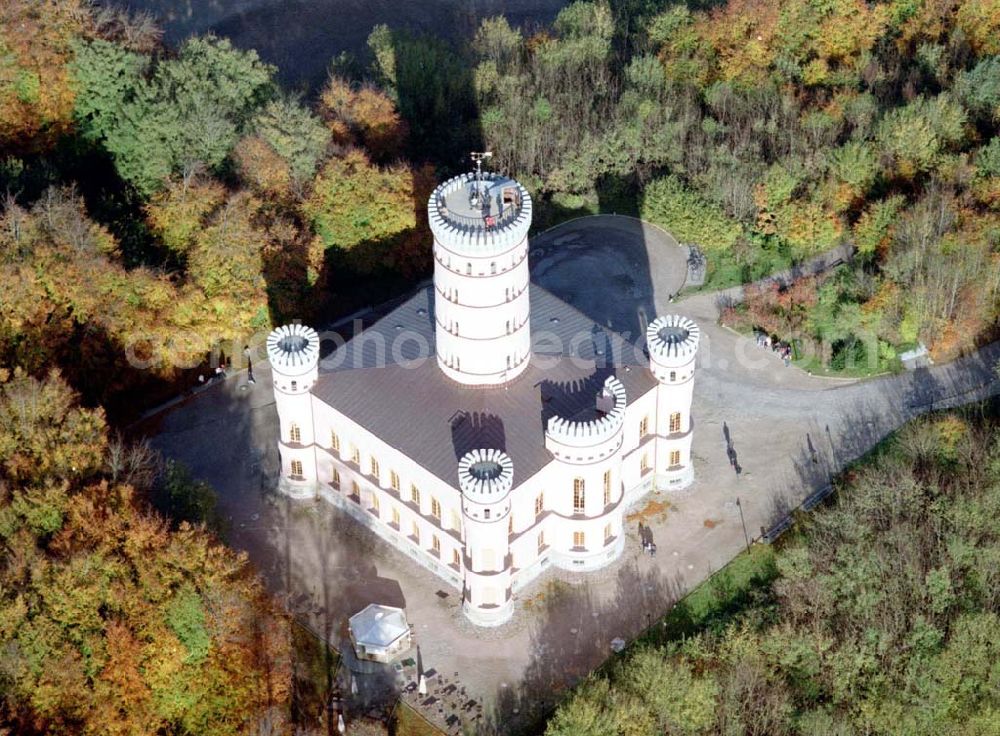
column 475, row 196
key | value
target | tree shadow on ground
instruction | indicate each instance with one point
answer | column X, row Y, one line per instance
column 573, row 636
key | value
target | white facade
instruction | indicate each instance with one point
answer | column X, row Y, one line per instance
column 484, row 530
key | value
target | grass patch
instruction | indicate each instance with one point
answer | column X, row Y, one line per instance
column 727, row 268
column 407, row 722
column 713, row 604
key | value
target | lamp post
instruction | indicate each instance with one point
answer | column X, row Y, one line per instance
column 746, row 537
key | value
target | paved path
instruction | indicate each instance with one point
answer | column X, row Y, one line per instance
column 791, row 432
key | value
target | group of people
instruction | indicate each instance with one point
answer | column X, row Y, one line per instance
column 777, row 346
column 646, row 535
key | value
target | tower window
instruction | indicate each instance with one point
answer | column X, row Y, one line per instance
column 673, row 375
column 644, row 426
column 607, row 487
column 510, row 524
column 297, row 469
column 675, row 422
column 579, row 496
column 456, row 521
column 644, row 463
column 508, row 327
column 468, row 269
column 675, row 457
column 541, row 541
column 607, row 533
column 295, row 385
column 334, row 442
column 493, row 267
column 579, row 539
column 294, row 433
column 486, row 514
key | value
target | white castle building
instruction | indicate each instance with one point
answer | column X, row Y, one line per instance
column 484, row 426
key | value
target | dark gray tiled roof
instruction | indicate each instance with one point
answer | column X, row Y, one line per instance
column 406, row 400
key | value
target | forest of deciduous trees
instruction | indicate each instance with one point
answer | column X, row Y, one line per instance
column 157, row 202
column 112, row 620
column 881, row 615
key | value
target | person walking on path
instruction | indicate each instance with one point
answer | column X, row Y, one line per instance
column 246, row 352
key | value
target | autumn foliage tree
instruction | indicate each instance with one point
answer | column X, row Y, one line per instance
column 111, row 623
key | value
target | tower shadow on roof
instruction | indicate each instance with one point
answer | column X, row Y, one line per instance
column 476, row 430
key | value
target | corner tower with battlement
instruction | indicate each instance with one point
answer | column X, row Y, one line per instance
column 672, row 342
column 293, row 351
column 480, row 223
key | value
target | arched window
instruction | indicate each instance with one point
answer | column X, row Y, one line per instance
column 335, row 481
column 579, row 496
column 493, row 267
column 675, row 422
column 294, row 433
column 468, row 269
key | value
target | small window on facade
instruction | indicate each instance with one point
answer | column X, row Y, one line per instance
column 675, row 422
column 456, row 521
column 295, row 385
column 297, row 468
column 335, row 482
column 295, row 433
column 394, row 480
column 673, row 375
column 435, row 508
column 415, row 532
column 436, row 544
column 539, row 504
column 607, row 532
column 456, row 558
column 486, row 514
column 607, row 487
column 374, row 498
column 395, row 516
column 644, row 426
column 579, row 496
column 493, row 267
column 675, row 457
column 579, row 539
column 374, row 468
column 334, row 442
column 414, row 494
column 355, row 489
column 510, row 524
column 541, row 540
column 355, row 455
column 644, row 463
column 468, row 269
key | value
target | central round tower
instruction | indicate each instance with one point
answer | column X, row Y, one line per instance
column 480, row 224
